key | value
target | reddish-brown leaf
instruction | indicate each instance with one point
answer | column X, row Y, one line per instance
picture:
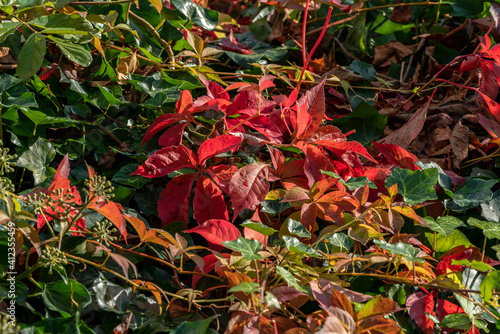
column 218, row 145
column 315, row 107
column 418, row 304
column 174, row 199
column 208, row 201
column 278, row 159
column 138, row 225
column 378, row 306
column 315, row 161
column 493, row 106
column 340, row 147
column 167, row 160
column 302, row 119
column 396, row 155
column 217, row 231
column 248, row 187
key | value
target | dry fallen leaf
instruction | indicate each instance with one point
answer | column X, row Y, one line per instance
column 459, row 144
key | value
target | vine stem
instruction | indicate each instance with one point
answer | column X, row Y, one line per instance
column 98, row 3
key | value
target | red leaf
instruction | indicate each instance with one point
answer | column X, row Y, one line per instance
column 174, row 199
column 303, row 119
column 396, row 155
column 315, row 107
column 308, row 214
column 418, row 304
column 445, row 307
column 278, row 159
column 493, row 106
column 232, row 44
column 162, row 122
column 208, row 201
column 216, row 231
column 216, row 91
column 167, row 160
column 266, row 81
column 212, row 147
column 264, row 125
column 315, row 161
column 172, row 136
column 61, row 181
column 252, row 234
column 222, row 175
column 327, row 132
column 248, row 187
column 286, row 293
column 210, row 263
column 445, row 264
column 184, row 103
column 340, row 147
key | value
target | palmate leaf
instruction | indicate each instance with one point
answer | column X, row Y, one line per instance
column 167, row 160
column 289, row 278
column 218, row 145
column 217, row 231
column 444, row 225
column 37, row 159
column 415, row 186
column 203, row 17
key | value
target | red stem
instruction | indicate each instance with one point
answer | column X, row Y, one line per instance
column 304, row 26
column 325, row 26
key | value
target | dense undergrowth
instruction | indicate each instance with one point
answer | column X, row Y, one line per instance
column 249, row 167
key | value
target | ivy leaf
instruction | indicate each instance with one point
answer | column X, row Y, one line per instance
column 491, row 210
column 296, row 228
column 400, row 248
column 490, row 230
column 474, row 192
column 366, row 70
column 444, row 225
column 259, row 227
column 32, row 54
column 289, row 278
column 195, row 327
column 294, row 245
column 415, row 186
column 37, row 159
column 203, row 17
column 248, row 248
column 444, row 180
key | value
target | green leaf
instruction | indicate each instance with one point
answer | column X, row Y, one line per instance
column 195, row 327
column 341, row 241
column 296, row 228
column 248, row 248
column 66, row 298
column 32, row 54
column 289, row 278
column 259, row 227
column 294, row 245
column 444, row 244
column 491, row 210
column 415, row 186
column 444, row 180
column 366, row 70
column 54, row 326
column 490, row 230
column 74, row 52
column 400, row 248
column 456, row 321
column 7, row 28
column 354, row 182
column 203, row 17
column 37, row 159
column 476, row 265
column 246, row 287
column 19, row 96
column 29, row 3
column 108, row 95
column 473, row 192
column 490, row 282
column 444, row 225
column 123, row 177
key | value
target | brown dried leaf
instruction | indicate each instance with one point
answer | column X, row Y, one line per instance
column 126, row 65
column 459, row 144
column 401, row 14
column 393, row 51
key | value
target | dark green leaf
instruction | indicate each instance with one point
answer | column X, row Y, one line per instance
column 367, row 122
column 444, row 180
column 456, row 321
column 296, row 228
column 108, row 95
column 473, row 192
column 366, row 70
column 54, row 326
column 19, row 96
column 203, row 17
column 259, row 227
column 248, row 248
column 444, row 225
column 195, row 327
column 123, row 177
column 400, row 248
column 491, row 210
column 289, row 278
column 32, row 54
column 415, row 186
column 66, row 298
column 37, row 159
